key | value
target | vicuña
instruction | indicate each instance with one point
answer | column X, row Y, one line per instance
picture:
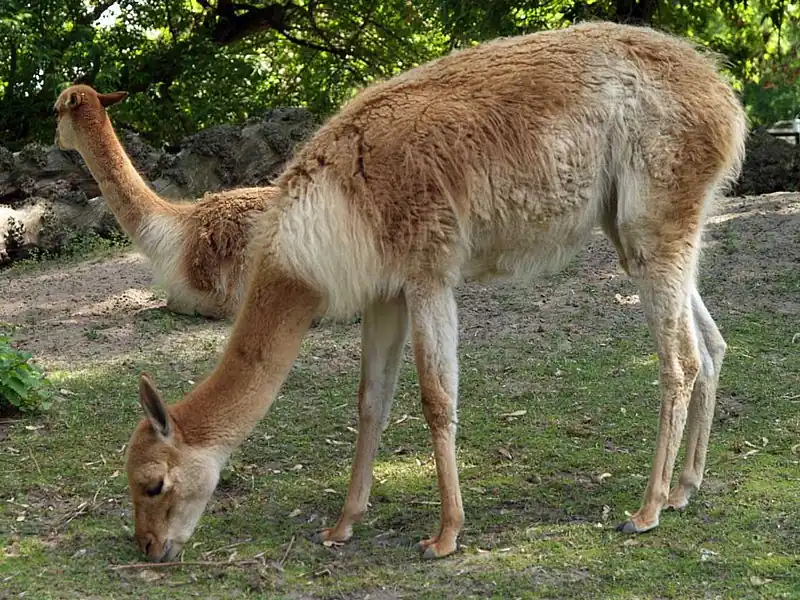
column 497, row 160
column 197, row 250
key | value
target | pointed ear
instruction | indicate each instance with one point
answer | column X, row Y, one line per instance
column 112, row 98
column 74, row 99
column 154, row 406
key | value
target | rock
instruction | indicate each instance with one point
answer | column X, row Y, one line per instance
column 19, row 229
column 48, row 225
column 226, row 156
column 48, row 195
column 771, row 165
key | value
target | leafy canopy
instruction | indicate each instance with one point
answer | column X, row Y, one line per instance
column 193, row 63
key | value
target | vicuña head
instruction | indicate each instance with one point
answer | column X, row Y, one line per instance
column 82, row 103
column 171, row 481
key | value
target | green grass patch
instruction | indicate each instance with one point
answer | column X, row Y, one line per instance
column 540, row 512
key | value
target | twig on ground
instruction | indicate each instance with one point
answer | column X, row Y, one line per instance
column 84, row 507
column 286, row 554
column 208, row 553
column 35, row 462
column 188, row 563
column 81, row 509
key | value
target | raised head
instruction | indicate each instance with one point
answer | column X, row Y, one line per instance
column 80, row 108
column 170, row 480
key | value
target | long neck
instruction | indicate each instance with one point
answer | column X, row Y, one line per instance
column 127, row 194
column 265, row 340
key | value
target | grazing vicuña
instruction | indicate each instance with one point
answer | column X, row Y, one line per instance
column 498, row 160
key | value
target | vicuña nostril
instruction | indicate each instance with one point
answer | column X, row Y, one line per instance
column 148, row 546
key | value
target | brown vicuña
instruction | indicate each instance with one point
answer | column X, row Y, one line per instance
column 498, row 160
column 197, row 249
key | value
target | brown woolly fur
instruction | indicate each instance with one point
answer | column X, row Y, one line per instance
column 197, row 249
column 498, row 160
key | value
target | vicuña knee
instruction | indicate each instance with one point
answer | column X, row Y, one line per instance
column 438, row 409
column 677, row 374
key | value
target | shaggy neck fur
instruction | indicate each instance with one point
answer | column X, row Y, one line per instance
column 126, row 192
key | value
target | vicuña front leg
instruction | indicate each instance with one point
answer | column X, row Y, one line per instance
column 669, row 315
column 701, row 407
column 384, row 330
column 435, row 339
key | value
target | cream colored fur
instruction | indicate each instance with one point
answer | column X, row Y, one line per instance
column 161, row 237
column 331, row 246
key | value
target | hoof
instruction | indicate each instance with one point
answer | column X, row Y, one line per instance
column 627, row 527
column 434, row 548
column 328, row 535
column 630, row 527
column 318, row 537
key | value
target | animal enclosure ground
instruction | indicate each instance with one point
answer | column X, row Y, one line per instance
column 558, row 413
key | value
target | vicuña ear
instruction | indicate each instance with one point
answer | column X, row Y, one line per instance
column 154, row 406
column 74, row 99
column 112, row 98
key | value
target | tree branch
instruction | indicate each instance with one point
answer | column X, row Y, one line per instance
column 341, row 52
column 230, row 27
column 90, row 17
column 231, row 22
column 170, row 22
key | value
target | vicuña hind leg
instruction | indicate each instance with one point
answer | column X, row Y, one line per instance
column 384, row 330
column 435, row 338
column 667, row 303
column 701, row 407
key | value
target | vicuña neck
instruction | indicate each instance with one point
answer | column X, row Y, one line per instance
column 127, row 194
column 265, row 340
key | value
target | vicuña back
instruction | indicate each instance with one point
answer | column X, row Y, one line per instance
column 503, row 156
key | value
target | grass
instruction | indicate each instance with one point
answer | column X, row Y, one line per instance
column 543, row 490
column 539, row 516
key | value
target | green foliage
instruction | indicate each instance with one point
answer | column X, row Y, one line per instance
column 192, row 63
column 23, row 385
column 90, row 242
column 78, row 245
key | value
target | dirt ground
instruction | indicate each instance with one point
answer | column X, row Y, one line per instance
column 108, row 308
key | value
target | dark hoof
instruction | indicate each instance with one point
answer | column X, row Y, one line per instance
column 318, row 537
column 627, row 527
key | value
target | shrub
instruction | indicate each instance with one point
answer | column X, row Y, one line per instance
column 23, row 386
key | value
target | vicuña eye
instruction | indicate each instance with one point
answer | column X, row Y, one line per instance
column 156, row 489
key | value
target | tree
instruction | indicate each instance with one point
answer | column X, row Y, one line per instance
column 193, row 63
